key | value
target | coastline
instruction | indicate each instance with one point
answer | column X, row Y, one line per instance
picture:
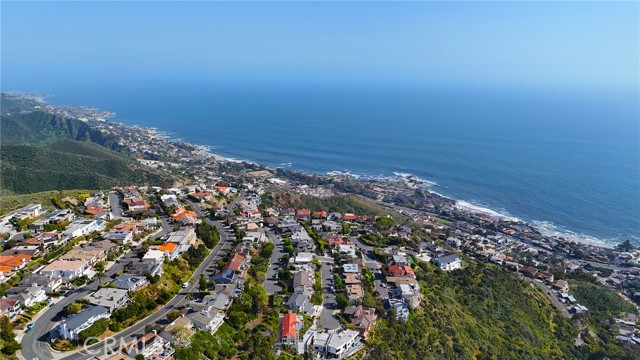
column 546, row 227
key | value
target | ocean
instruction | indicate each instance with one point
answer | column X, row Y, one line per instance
column 568, row 160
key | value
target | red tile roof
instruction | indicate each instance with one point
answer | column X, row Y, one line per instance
column 14, row 261
column 349, row 217
column 289, row 322
column 32, row 241
column 236, row 262
column 202, row 194
column 181, row 213
column 303, row 212
column 95, row 210
column 397, row 270
column 169, row 247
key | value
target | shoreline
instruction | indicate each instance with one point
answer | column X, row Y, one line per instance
column 548, row 228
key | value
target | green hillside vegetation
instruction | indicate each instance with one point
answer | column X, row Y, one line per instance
column 338, row 203
column 348, row 204
column 480, row 312
column 599, row 299
column 604, row 305
column 69, row 164
column 17, row 103
column 48, row 199
column 23, row 123
column 41, row 128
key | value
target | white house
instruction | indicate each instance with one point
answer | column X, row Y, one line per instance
column 348, row 249
column 31, row 211
column 154, row 256
column 29, row 295
column 81, row 227
column 123, row 236
column 66, row 269
column 110, row 298
column 336, row 343
column 150, row 346
column 209, row 319
column 351, row 268
column 449, row 262
column 72, row 326
column 255, row 236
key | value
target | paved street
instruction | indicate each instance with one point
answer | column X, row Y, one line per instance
column 35, row 342
column 368, row 256
column 116, row 207
column 271, row 283
column 552, row 296
column 327, row 320
column 166, row 228
column 180, row 299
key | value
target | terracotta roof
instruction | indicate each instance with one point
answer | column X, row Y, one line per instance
column 125, row 226
column 32, row 241
column 349, row 217
column 398, row 270
column 289, row 322
column 303, row 212
column 5, row 269
column 181, row 213
column 167, row 247
column 95, row 210
column 235, row 262
column 14, row 261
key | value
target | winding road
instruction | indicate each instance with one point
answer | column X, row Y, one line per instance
column 36, row 343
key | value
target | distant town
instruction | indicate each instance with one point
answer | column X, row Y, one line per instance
column 133, row 272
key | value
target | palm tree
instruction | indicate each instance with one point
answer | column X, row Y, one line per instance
column 99, row 267
column 100, row 276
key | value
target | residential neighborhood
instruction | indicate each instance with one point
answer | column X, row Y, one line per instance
column 331, row 276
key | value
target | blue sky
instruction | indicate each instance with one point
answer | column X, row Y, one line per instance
column 486, row 43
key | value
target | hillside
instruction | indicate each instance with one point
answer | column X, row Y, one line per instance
column 41, row 128
column 46, row 198
column 481, row 312
column 339, row 203
column 69, row 164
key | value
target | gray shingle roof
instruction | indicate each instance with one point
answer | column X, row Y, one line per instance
column 81, row 318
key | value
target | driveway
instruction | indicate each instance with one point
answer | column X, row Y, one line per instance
column 379, row 280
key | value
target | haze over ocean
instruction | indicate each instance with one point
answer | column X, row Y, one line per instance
column 528, row 108
column 567, row 159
